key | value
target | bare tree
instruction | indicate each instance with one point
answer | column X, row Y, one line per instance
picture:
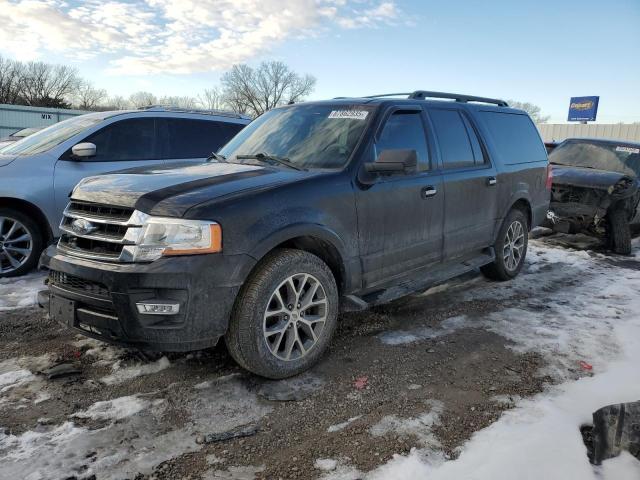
column 179, row 102
column 534, row 111
column 254, row 91
column 118, row 102
column 142, row 99
column 49, row 85
column 89, row 98
column 212, row 99
column 11, row 80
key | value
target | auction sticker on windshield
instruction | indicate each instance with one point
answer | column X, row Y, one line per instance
column 351, row 114
column 628, row 149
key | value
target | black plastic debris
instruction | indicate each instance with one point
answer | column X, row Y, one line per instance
column 247, row 431
column 62, row 370
column 615, row 428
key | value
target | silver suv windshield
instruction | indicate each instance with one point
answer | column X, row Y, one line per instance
column 311, row 136
column 52, row 136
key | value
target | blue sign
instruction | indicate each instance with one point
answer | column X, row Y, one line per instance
column 583, row 109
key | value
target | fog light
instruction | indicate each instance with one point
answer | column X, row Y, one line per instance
column 158, row 308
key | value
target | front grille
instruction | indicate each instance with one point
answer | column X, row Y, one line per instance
column 86, row 209
column 72, row 283
column 100, row 232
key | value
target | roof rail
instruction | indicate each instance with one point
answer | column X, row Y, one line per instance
column 421, row 94
column 424, row 94
column 169, row 108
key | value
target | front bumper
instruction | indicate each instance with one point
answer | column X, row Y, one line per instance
column 100, row 299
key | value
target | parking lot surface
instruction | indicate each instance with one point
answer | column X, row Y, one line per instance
column 466, row 375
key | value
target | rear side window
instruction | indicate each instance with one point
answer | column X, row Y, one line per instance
column 133, row 139
column 404, row 130
column 459, row 144
column 196, row 138
column 515, row 137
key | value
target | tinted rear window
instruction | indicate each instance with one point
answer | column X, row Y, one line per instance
column 197, row 138
column 515, row 137
column 459, row 145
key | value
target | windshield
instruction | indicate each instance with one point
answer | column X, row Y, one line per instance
column 613, row 157
column 307, row 136
column 50, row 137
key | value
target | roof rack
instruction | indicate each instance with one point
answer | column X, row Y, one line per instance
column 424, row 94
column 169, row 108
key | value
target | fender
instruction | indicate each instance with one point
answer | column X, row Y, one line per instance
column 522, row 193
column 349, row 263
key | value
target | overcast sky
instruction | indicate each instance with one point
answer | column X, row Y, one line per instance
column 541, row 51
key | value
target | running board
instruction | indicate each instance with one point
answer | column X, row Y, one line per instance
column 419, row 283
column 352, row 303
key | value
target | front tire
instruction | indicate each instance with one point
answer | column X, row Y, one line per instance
column 619, row 232
column 284, row 316
column 21, row 243
column 511, row 247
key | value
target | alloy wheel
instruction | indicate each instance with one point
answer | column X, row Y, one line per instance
column 16, row 244
column 295, row 317
column 513, row 245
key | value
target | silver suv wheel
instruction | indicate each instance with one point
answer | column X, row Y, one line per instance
column 16, row 244
column 295, row 316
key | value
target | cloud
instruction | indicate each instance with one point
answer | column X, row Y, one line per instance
column 168, row 36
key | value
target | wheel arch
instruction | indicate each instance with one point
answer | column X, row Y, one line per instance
column 315, row 239
column 33, row 211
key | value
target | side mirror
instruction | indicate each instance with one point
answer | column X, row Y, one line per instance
column 83, row 150
column 394, row 161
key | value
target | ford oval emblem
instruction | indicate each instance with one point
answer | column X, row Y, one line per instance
column 83, row 227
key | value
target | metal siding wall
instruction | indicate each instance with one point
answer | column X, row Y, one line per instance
column 560, row 131
column 16, row 117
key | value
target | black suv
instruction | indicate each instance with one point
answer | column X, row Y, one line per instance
column 310, row 209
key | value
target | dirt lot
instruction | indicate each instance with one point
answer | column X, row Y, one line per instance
column 425, row 372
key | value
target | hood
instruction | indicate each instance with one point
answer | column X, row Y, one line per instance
column 172, row 190
column 6, row 159
column 585, row 177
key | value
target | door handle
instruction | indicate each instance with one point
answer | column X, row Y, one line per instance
column 491, row 181
column 429, row 191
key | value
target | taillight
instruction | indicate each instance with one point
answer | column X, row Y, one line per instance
column 549, row 177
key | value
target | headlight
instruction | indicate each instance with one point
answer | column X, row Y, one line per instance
column 174, row 236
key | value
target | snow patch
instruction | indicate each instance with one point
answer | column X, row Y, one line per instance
column 420, row 426
column 325, row 464
column 116, row 409
column 581, row 307
column 139, row 437
column 121, row 375
column 401, row 337
column 20, row 292
column 11, row 379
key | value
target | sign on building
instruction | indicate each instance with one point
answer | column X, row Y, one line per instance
column 583, row 109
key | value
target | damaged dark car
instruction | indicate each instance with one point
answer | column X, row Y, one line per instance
column 596, row 190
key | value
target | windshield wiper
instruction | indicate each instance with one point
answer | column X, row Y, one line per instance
column 263, row 157
column 217, row 157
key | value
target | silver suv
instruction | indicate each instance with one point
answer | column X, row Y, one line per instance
column 38, row 173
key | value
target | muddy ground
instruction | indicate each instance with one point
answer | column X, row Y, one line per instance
column 374, row 394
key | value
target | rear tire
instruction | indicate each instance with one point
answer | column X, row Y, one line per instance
column 21, row 243
column 511, row 247
column 284, row 316
column 619, row 232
